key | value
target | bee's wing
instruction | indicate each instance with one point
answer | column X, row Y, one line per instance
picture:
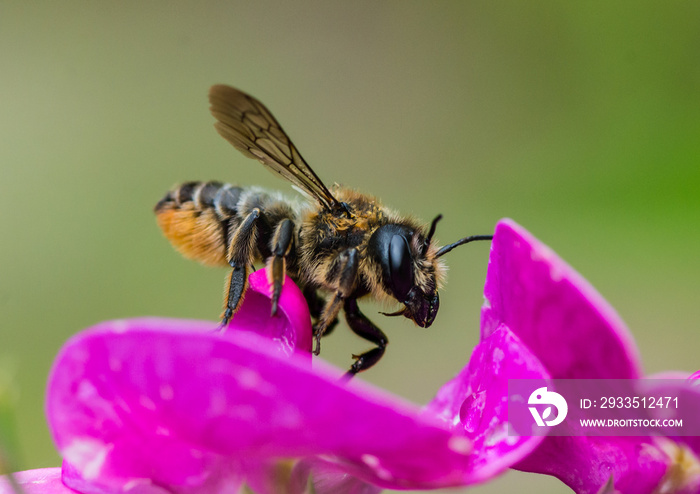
column 245, row 122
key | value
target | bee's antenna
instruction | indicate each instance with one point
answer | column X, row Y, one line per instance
column 462, row 241
column 433, row 225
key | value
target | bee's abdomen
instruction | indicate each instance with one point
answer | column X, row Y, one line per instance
column 197, row 218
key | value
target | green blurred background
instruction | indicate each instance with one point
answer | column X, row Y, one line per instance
column 580, row 121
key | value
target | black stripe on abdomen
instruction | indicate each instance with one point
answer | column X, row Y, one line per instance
column 226, row 200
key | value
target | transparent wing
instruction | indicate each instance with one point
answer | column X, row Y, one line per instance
column 245, row 122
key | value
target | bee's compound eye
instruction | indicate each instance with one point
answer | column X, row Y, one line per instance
column 401, row 266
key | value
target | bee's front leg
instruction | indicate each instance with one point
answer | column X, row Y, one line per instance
column 280, row 245
column 240, row 257
column 345, row 267
column 316, row 304
column 366, row 329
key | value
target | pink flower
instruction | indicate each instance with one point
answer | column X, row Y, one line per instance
column 575, row 334
column 162, row 403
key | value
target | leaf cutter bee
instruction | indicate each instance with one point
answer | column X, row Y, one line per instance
column 341, row 242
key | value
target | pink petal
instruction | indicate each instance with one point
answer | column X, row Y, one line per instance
column 586, row 463
column 39, row 481
column 688, row 394
column 553, row 310
column 290, row 329
column 573, row 331
column 475, row 402
column 149, row 399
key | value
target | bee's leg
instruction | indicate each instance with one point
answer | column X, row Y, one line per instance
column 365, row 328
column 329, row 328
column 316, row 304
column 240, row 256
column 237, row 281
column 314, row 301
column 345, row 265
column 281, row 245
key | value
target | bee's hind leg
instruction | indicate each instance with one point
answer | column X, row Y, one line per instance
column 366, row 329
column 240, row 257
column 281, row 245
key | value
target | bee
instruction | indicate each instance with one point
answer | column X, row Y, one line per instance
column 340, row 242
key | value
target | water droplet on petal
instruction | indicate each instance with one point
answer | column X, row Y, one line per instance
column 460, row 445
column 472, row 410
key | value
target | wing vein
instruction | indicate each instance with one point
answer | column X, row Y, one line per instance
column 250, row 127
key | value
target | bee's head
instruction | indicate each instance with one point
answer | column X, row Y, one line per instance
column 410, row 270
